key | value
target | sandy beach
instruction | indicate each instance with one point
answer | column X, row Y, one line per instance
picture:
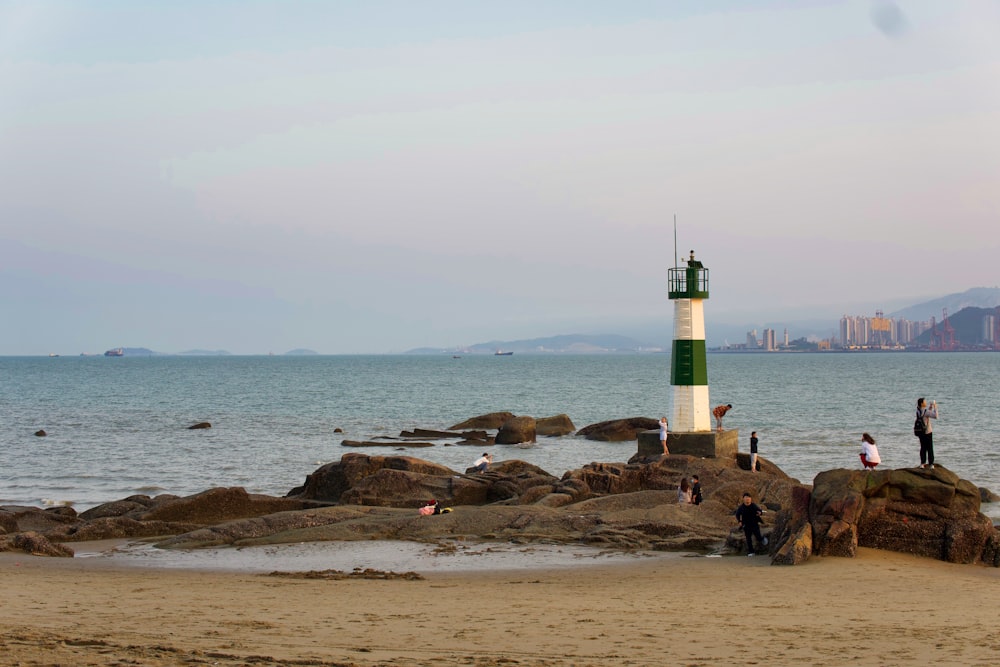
column 880, row 608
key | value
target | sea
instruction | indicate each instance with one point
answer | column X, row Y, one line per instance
column 118, row 426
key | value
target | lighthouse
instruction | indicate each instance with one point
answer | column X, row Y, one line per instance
column 688, row 289
column 691, row 430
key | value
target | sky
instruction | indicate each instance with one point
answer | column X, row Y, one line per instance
column 377, row 176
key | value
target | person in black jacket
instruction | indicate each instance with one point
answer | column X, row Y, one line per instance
column 696, row 496
column 749, row 517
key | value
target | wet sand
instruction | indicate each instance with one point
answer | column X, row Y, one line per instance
column 877, row 609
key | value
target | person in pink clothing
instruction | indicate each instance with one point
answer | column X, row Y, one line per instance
column 869, row 452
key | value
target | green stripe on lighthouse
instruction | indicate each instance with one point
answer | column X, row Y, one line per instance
column 687, row 363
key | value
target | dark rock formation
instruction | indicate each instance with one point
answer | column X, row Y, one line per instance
column 618, row 430
column 36, row 545
column 618, row 505
column 330, row 481
column 489, row 421
column 987, row 496
column 920, row 511
column 401, row 481
column 220, row 504
column 554, row 426
column 383, row 443
column 516, row 430
column 792, row 537
column 426, row 433
column 199, row 425
column 41, row 433
column 17, row 518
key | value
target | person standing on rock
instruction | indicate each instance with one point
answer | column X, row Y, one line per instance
column 753, row 451
column 719, row 412
column 663, row 435
column 926, row 434
column 696, row 490
column 749, row 517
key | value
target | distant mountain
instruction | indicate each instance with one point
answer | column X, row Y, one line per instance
column 978, row 297
column 300, row 352
column 566, row 344
column 657, row 335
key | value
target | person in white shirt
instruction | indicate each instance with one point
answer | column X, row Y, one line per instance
column 869, row 452
column 664, row 426
column 482, row 464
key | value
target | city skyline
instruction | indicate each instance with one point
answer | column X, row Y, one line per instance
column 374, row 177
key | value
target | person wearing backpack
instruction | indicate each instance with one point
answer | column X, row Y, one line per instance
column 924, row 430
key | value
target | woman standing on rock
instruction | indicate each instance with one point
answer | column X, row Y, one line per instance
column 926, row 432
column 663, row 435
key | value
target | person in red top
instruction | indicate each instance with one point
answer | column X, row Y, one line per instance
column 719, row 412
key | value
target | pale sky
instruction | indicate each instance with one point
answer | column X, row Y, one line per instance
column 375, row 176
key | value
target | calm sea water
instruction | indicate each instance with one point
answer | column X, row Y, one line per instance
column 118, row 426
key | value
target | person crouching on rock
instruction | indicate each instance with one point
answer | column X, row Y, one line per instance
column 869, row 452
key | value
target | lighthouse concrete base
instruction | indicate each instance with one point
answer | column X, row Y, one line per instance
column 709, row 444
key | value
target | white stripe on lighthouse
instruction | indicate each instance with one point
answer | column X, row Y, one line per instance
column 690, row 404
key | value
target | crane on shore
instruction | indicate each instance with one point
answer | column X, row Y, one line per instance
column 947, row 333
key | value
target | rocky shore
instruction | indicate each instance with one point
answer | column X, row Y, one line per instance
column 624, row 506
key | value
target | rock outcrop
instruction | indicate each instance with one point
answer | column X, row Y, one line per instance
column 618, row 430
column 488, row 421
column 919, row 511
column 629, row 505
column 516, row 430
column 554, row 426
column 137, row 516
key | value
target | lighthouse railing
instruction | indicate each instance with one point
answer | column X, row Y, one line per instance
column 687, row 283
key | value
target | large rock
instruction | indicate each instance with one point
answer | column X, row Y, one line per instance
column 920, row 511
column 20, row 518
column 791, row 539
column 397, row 481
column 487, row 421
column 35, row 544
column 330, row 481
column 516, row 430
column 618, row 430
column 554, row 426
column 220, row 504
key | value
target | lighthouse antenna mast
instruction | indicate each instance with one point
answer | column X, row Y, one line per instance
column 675, row 239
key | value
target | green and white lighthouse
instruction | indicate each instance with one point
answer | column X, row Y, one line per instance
column 688, row 289
column 691, row 431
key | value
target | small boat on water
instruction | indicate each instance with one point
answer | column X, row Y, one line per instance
column 501, row 353
column 116, row 352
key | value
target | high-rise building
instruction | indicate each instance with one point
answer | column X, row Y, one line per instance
column 768, row 342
